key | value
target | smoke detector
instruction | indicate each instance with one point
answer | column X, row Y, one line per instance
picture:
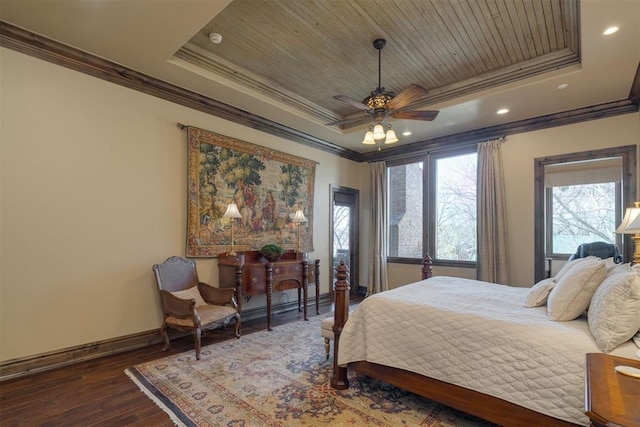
column 215, row 38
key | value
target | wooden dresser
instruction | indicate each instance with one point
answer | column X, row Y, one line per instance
column 251, row 274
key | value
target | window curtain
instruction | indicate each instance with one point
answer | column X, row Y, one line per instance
column 493, row 251
column 378, row 279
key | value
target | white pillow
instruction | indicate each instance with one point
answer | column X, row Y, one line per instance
column 191, row 293
column 614, row 313
column 569, row 264
column 617, row 268
column 539, row 292
column 573, row 291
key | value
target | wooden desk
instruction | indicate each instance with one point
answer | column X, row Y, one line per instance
column 611, row 399
column 251, row 274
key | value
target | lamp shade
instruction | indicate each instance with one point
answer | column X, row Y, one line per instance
column 391, row 137
column 378, row 132
column 368, row 138
column 631, row 222
column 299, row 216
column 232, row 211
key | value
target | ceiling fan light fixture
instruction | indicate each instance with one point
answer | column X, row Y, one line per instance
column 391, row 136
column 368, row 138
column 378, row 132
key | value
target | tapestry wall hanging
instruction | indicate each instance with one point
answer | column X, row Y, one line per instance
column 268, row 186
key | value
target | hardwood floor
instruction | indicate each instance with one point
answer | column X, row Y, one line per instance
column 98, row 393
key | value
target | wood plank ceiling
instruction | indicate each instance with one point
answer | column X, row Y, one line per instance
column 302, row 53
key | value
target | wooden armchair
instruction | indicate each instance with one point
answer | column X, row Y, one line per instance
column 191, row 305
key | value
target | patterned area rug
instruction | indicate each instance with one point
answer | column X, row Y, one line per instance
column 279, row 378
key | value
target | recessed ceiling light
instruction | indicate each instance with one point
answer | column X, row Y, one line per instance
column 502, row 111
column 563, row 86
column 406, row 133
column 610, row 30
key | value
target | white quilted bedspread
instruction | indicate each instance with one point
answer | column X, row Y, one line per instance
column 480, row 336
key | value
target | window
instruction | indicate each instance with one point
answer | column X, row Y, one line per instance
column 405, row 184
column 582, row 204
column 439, row 218
column 455, row 208
column 579, row 198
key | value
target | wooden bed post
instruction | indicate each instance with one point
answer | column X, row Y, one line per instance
column 427, row 271
column 341, row 292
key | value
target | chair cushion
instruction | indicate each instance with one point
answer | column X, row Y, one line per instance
column 210, row 315
column 191, row 293
column 327, row 327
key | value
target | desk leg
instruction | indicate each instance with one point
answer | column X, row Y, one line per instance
column 305, row 286
column 239, row 293
column 317, row 279
column 269, row 268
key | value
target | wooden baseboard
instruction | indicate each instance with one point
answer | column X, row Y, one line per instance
column 19, row 367
column 44, row 361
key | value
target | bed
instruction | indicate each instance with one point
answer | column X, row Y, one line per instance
column 470, row 345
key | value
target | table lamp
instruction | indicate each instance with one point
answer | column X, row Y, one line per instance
column 631, row 225
column 299, row 218
column 232, row 212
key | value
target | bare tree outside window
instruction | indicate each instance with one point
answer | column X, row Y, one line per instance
column 341, row 230
column 582, row 214
column 456, row 212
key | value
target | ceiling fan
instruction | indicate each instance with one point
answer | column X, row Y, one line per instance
column 382, row 103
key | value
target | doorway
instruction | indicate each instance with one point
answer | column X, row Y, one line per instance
column 344, row 233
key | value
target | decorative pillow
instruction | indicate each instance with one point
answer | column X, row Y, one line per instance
column 573, row 291
column 569, row 264
column 614, row 313
column 617, row 268
column 539, row 292
column 191, row 293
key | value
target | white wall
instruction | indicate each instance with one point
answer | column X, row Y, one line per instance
column 519, row 153
column 93, row 193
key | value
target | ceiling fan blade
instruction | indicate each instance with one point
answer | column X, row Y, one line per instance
column 344, row 98
column 406, row 97
column 427, row 115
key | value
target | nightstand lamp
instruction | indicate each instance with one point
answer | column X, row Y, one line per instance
column 631, row 225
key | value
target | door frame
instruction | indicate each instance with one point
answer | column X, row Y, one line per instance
column 354, row 236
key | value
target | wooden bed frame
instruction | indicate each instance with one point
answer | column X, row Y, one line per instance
column 472, row 402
